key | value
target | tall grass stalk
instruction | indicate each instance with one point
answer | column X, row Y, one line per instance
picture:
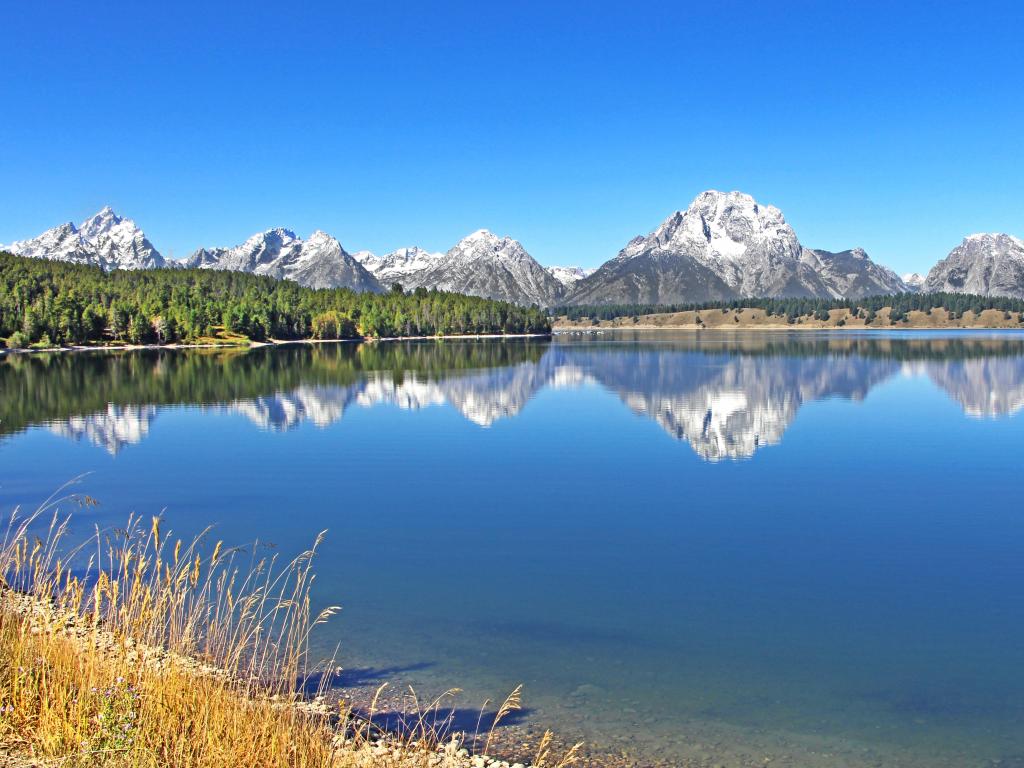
column 135, row 649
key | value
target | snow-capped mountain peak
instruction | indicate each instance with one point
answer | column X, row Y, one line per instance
column 569, row 276
column 100, row 223
column 480, row 234
column 403, row 266
column 104, row 240
column 986, row 263
column 317, row 262
column 996, row 238
column 484, row 264
column 913, row 280
column 726, row 246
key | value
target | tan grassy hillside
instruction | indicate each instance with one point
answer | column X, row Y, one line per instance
column 753, row 319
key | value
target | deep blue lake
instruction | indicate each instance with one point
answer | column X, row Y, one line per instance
column 717, row 548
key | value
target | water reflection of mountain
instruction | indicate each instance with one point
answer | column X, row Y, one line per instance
column 984, row 387
column 726, row 398
column 112, row 429
column 727, row 406
column 483, row 397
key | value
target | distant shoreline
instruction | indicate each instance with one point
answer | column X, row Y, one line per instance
column 272, row 343
column 562, row 329
column 842, row 319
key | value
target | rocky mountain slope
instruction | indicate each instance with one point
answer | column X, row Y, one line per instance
column 914, row 281
column 852, row 274
column 483, row 264
column 726, row 246
column 104, row 240
column 318, row 262
column 986, row 264
column 569, row 276
column 402, row 266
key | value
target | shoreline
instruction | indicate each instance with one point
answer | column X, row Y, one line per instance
column 556, row 330
column 272, row 343
column 44, row 619
column 589, row 329
column 758, row 319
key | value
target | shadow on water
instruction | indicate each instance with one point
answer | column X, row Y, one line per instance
column 406, row 714
column 361, row 677
column 448, row 720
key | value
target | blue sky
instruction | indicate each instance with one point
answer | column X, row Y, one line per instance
column 898, row 127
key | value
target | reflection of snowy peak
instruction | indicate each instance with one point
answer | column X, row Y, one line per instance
column 282, row 411
column 984, row 386
column 483, row 397
column 112, row 429
column 725, row 403
column 728, row 406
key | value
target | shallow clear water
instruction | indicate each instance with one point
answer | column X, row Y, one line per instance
column 725, row 548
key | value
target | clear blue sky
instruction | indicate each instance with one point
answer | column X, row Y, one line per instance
column 895, row 126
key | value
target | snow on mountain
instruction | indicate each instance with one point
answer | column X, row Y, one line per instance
column 986, row 264
column 914, row 281
column 483, row 264
column 852, row 274
column 104, row 240
column 403, row 266
column 569, row 276
column 318, row 262
column 723, row 246
column 726, row 245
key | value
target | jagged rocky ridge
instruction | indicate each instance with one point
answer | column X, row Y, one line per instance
column 985, row 264
column 914, row 281
column 569, row 276
column 318, row 262
column 481, row 264
column 724, row 246
column 104, row 240
column 727, row 246
column 401, row 266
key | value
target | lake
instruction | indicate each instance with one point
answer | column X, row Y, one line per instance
column 695, row 548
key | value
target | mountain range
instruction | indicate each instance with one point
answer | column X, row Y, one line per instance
column 105, row 240
column 317, row 262
column 723, row 246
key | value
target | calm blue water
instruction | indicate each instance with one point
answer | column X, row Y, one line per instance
column 690, row 547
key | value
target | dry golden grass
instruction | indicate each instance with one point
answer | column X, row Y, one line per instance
column 138, row 650
column 758, row 319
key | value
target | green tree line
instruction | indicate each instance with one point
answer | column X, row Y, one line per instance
column 56, row 303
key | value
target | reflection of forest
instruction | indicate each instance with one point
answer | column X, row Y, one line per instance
column 37, row 389
column 725, row 396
